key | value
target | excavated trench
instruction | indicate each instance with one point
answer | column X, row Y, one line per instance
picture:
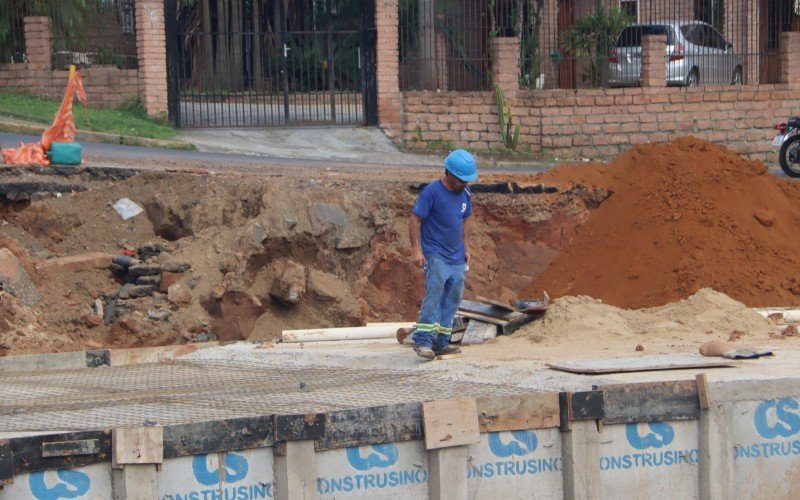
column 244, row 257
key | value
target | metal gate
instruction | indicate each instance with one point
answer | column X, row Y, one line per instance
column 259, row 63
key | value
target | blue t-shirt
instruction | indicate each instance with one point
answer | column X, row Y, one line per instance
column 443, row 212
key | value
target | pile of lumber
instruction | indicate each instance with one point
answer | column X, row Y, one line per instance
column 475, row 322
column 489, row 318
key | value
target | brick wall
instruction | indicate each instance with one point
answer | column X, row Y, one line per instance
column 151, row 42
column 601, row 123
column 106, row 86
column 387, row 21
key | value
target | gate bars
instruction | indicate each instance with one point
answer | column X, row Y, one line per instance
column 266, row 63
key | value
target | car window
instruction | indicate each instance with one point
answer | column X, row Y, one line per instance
column 717, row 41
column 632, row 35
column 692, row 33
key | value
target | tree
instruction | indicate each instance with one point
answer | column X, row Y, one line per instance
column 70, row 18
column 592, row 37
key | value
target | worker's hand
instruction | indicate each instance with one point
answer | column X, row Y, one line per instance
column 419, row 258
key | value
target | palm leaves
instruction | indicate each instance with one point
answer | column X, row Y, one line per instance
column 592, row 37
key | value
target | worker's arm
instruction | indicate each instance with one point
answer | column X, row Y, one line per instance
column 414, row 234
column 465, row 234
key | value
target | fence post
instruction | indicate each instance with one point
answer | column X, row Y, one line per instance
column 39, row 43
column 790, row 51
column 387, row 21
column 654, row 69
column 151, row 50
column 505, row 64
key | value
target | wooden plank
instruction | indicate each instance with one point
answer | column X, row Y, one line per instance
column 444, row 357
column 509, row 413
column 481, row 317
column 302, row 427
column 488, row 310
column 497, row 303
column 640, row 363
column 219, row 435
column 513, row 326
column 450, row 422
column 137, row 445
column 380, row 424
column 27, row 451
column 6, row 463
column 702, row 391
column 650, row 402
column 478, row 331
column 70, row 448
column 586, row 405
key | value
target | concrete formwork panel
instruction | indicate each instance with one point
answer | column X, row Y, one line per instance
column 766, row 448
column 516, row 464
column 91, row 483
column 380, row 471
column 650, row 460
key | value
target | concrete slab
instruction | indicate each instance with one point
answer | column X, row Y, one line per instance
column 352, row 144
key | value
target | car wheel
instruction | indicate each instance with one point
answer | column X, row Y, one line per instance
column 693, row 78
column 737, row 77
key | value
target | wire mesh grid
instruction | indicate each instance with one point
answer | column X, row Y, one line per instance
column 200, row 390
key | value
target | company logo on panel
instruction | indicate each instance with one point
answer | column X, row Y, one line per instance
column 67, row 483
column 778, row 418
column 651, row 435
column 233, row 468
column 521, row 444
column 373, row 456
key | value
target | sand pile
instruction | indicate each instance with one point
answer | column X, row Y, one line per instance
column 681, row 217
column 706, row 315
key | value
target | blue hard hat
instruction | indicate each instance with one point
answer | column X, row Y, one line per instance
column 462, row 164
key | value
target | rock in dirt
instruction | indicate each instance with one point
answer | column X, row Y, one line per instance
column 168, row 279
column 352, row 237
column 15, row 280
column 175, row 267
column 144, row 270
column 290, row 284
column 131, row 291
column 179, row 294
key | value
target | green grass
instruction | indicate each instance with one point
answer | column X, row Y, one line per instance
column 130, row 120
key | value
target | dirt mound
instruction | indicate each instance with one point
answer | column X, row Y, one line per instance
column 680, row 217
column 706, row 315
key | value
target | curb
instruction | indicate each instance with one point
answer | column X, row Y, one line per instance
column 16, row 126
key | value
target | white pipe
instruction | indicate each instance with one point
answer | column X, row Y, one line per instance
column 394, row 325
column 348, row 333
column 790, row 314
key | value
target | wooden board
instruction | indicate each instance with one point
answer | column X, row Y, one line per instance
column 218, row 435
column 450, row 422
column 444, row 357
column 482, row 317
column 510, row 413
column 6, row 463
column 489, row 310
column 478, row 331
column 137, row 445
column 702, row 391
column 650, row 402
column 364, row 426
column 640, row 364
column 497, row 303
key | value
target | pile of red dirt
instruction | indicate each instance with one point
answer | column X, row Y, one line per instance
column 680, row 217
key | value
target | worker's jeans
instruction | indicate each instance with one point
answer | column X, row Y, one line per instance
column 444, row 284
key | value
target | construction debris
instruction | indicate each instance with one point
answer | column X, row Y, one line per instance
column 732, row 351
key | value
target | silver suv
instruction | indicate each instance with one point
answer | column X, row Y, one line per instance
column 696, row 53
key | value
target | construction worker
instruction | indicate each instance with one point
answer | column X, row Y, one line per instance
column 439, row 232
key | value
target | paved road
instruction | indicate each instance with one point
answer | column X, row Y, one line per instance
column 269, row 160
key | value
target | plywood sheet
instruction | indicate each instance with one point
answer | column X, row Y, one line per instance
column 510, row 413
column 478, row 331
column 450, row 422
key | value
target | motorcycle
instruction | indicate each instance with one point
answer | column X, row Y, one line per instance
column 788, row 140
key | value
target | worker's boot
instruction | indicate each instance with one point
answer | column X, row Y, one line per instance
column 425, row 352
column 448, row 349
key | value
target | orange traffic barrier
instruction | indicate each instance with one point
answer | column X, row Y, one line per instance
column 62, row 129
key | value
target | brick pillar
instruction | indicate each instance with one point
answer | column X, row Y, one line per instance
column 387, row 19
column 151, row 49
column 790, row 54
column 38, row 43
column 654, row 69
column 505, row 64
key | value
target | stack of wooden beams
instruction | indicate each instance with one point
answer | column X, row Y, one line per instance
column 489, row 318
